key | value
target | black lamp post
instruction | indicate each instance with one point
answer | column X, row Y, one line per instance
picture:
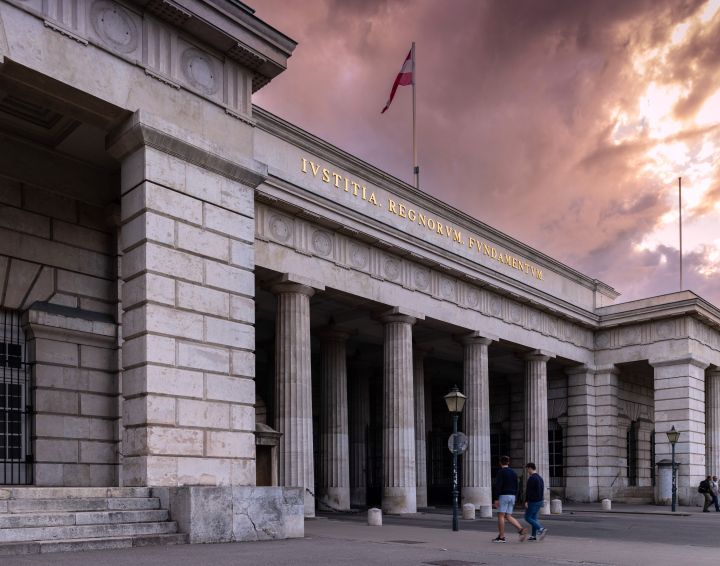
column 455, row 402
column 673, row 437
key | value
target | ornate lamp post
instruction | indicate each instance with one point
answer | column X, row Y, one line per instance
column 673, row 436
column 455, row 402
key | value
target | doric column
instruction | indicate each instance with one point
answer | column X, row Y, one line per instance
column 476, row 481
column 536, row 418
column 293, row 387
column 420, row 444
column 399, row 473
column 358, row 421
column 334, row 486
column 606, row 431
column 580, row 436
column 712, row 422
column 680, row 401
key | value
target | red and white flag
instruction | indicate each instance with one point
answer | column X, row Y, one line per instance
column 404, row 78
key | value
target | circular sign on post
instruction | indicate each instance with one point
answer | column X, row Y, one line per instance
column 461, row 442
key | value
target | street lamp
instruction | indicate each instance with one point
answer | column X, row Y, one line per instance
column 673, row 436
column 455, row 402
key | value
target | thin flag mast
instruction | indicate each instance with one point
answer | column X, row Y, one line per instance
column 680, row 211
column 416, row 169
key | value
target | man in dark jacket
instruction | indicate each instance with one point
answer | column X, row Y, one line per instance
column 506, row 485
column 534, row 501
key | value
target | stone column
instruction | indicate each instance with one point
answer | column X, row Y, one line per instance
column 293, row 387
column 399, row 474
column 420, row 430
column 334, row 485
column 680, row 401
column 579, row 435
column 188, row 363
column 606, row 431
column 359, row 372
column 536, row 419
column 476, row 481
column 712, row 422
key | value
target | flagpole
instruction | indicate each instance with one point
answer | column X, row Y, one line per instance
column 680, row 211
column 416, row 169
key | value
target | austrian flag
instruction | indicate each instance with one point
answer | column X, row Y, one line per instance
column 404, row 78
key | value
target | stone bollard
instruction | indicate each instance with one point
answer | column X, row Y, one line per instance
column 556, row 507
column 485, row 511
column 375, row 517
column 469, row 511
column 606, row 505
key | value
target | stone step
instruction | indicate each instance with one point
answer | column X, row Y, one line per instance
column 87, row 531
column 75, row 545
column 77, row 504
column 25, row 520
column 72, row 492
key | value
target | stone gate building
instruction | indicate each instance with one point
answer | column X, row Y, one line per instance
column 209, row 313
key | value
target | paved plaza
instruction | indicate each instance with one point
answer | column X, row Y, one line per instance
column 632, row 536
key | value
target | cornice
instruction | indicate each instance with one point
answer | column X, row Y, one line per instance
column 695, row 306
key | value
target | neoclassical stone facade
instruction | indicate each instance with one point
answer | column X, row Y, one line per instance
column 197, row 295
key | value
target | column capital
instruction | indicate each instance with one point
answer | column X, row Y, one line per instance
column 476, row 337
column 292, row 283
column 333, row 331
column 397, row 314
column 146, row 129
column 688, row 358
column 536, row 356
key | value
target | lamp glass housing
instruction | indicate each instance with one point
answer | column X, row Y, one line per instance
column 455, row 400
column 673, row 435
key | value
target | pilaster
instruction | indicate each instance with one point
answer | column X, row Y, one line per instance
column 606, row 410
column 712, row 422
column 420, row 424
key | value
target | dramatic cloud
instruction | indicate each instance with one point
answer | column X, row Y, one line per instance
column 564, row 124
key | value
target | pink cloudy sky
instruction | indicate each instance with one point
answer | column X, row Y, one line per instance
column 564, row 124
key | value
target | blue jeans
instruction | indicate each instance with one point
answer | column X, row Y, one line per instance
column 715, row 502
column 531, row 515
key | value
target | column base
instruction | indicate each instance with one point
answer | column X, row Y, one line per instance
column 421, row 496
column 309, row 503
column 478, row 496
column 333, row 499
column 399, row 500
column 358, row 496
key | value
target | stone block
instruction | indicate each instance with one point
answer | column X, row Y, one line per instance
column 243, row 472
column 228, row 278
column 45, row 475
column 197, row 356
column 148, row 349
column 242, row 417
column 205, row 513
column 150, row 470
column 89, row 428
column 148, row 287
column 148, row 410
column 55, row 450
column 202, row 299
column 162, row 380
column 148, row 227
column 53, row 352
column 64, row 300
column 97, row 452
column 229, row 333
column 10, row 192
column 152, row 197
column 242, row 309
column 238, row 198
column 556, row 507
column 24, row 221
column 93, row 357
column 162, row 320
column 49, row 401
column 166, row 441
column 76, row 475
column 81, row 237
column 202, row 242
column 468, row 512
column 162, row 261
column 51, row 204
column 49, row 425
column 203, row 414
column 375, row 517
column 98, row 405
column 225, row 444
column 204, row 471
column 229, row 223
column 234, row 389
column 243, row 363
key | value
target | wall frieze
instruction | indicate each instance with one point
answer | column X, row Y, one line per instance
column 657, row 331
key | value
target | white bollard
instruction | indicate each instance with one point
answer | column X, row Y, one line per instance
column 375, row 517
column 469, row 511
column 556, row 507
column 485, row 511
column 606, row 505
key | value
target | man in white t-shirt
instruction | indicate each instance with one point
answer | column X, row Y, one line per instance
column 714, row 492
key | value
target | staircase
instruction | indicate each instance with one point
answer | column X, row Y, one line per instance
column 53, row 519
